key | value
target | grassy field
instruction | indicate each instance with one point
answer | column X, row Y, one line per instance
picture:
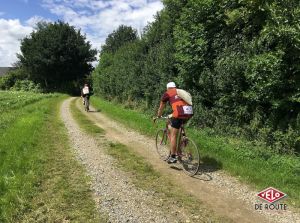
column 40, row 179
column 254, row 165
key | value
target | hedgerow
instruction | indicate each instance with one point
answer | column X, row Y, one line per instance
column 239, row 59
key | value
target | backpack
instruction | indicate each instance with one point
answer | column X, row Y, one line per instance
column 184, row 95
column 85, row 90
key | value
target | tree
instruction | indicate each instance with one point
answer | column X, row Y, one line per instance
column 118, row 38
column 57, row 56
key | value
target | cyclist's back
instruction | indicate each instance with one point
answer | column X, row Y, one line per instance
column 181, row 109
column 86, row 91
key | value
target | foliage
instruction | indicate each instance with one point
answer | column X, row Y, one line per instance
column 7, row 81
column 26, row 85
column 239, row 59
column 57, row 56
column 125, row 64
column 17, row 80
column 118, row 38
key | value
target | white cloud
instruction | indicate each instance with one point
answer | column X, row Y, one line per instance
column 11, row 32
column 99, row 18
column 35, row 19
column 96, row 18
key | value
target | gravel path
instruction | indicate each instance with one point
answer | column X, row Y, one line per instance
column 113, row 190
column 125, row 203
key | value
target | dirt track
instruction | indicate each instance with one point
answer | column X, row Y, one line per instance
column 220, row 192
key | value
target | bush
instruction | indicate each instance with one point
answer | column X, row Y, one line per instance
column 9, row 80
column 26, row 85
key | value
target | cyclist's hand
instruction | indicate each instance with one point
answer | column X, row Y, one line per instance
column 155, row 118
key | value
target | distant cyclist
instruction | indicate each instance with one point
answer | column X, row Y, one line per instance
column 181, row 103
column 86, row 92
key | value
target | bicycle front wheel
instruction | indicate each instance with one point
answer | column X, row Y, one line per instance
column 190, row 156
column 162, row 144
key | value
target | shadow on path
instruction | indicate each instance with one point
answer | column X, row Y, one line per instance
column 98, row 110
column 208, row 165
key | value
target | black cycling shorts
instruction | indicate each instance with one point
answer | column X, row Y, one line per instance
column 177, row 122
column 86, row 95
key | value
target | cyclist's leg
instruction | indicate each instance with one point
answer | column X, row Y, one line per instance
column 174, row 133
column 86, row 103
column 175, row 126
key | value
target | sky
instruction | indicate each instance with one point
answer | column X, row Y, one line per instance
column 95, row 18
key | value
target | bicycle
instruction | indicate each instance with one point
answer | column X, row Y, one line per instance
column 86, row 104
column 187, row 151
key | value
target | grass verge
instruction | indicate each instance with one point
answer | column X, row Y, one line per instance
column 41, row 181
column 257, row 166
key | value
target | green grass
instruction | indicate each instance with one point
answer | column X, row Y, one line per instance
column 257, row 166
column 131, row 118
column 15, row 104
column 11, row 100
column 40, row 179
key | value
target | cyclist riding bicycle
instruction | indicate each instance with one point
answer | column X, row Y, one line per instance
column 86, row 91
column 182, row 112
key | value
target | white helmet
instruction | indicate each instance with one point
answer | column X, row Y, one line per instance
column 171, row 85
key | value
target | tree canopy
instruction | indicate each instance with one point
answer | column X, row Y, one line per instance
column 56, row 56
column 118, row 38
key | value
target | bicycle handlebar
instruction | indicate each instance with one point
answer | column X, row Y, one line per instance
column 161, row 117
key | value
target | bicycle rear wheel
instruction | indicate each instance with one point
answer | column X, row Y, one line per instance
column 162, row 144
column 86, row 104
column 190, row 156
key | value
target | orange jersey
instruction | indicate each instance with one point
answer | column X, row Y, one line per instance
column 180, row 108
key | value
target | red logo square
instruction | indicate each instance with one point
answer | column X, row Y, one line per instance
column 271, row 195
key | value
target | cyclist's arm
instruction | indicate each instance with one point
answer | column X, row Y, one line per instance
column 161, row 108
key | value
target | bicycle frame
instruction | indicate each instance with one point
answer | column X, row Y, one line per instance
column 179, row 136
column 186, row 149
